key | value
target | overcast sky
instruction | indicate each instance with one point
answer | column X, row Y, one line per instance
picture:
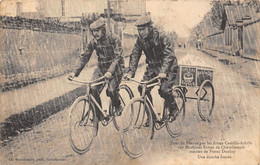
column 179, row 16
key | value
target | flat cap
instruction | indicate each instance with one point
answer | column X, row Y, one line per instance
column 97, row 24
column 143, row 21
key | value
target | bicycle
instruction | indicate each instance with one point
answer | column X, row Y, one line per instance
column 135, row 137
column 83, row 115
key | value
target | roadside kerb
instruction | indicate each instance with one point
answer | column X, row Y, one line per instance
column 248, row 68
column 26, row 119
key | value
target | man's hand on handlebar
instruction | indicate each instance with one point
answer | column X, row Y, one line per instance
column 162, row 75
column 108, row 75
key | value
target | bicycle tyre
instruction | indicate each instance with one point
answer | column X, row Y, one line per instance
column 82, row 119
column 133, row 125
column 207, row 87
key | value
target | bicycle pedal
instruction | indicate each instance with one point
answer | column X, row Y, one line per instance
column 159, row 114
column 105, row 111
column 107, row 119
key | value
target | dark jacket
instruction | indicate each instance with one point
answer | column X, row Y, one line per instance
column 109, row 52
column 158, row 50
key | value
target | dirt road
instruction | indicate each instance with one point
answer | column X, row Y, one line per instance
column 235, row 119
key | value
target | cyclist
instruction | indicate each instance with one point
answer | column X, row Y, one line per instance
column 110, row 63
column 160, row 58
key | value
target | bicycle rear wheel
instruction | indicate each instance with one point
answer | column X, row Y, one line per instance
column 174, row 126
column 135, row 136
column 125, row 95
column 83, row 125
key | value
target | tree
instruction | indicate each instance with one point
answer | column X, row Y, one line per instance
column 217, row 11
column 255, row 3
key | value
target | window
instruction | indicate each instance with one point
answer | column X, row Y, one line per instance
column 228, row 36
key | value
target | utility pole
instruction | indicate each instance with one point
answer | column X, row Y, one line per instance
column 121, row 24
column 108, row 16
column 144, row 5
column 119, row 6
column 62, row 7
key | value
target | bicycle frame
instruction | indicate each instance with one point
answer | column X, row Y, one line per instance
column 91, row 98
column 145, row 85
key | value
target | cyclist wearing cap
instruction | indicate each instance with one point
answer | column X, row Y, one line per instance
column 160, row 58
column 110, row 63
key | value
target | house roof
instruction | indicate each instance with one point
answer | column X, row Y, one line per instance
column 238, row 13
column 234, row 14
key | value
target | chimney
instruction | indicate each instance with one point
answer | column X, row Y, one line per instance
column 62, row 7
column 18, row 9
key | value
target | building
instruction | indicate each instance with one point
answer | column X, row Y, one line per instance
column 69, row 8
column 240, row 25
column 239, row 32
column 18, row 7
column 50, row 8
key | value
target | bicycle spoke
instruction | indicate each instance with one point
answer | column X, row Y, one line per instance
column 122, row 101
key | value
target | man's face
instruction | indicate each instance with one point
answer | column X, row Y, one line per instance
column 97, row 33
column 143, row 31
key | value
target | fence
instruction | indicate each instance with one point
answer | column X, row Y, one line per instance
column 44, row 25
column 229, row 41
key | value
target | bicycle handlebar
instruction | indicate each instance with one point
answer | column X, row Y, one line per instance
column 88, row 82
column 145, row 82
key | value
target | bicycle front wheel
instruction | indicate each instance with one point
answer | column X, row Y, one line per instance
column 83, row 125
column 174, row 125
column 136, row 135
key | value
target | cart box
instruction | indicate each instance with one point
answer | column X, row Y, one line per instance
column 194, row 75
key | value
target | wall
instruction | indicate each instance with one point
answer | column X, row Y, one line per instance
column 28, row 56
column 251, row 41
